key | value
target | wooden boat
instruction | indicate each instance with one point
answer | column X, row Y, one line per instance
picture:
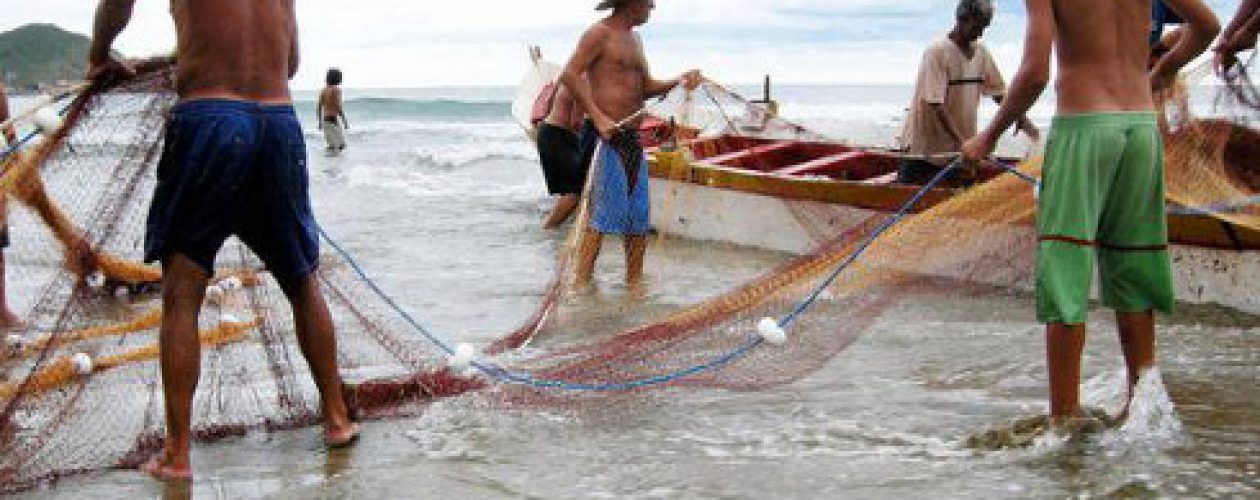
column 733, row 187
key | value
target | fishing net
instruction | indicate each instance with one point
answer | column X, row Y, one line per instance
column 1212, row 146
column 79, row 385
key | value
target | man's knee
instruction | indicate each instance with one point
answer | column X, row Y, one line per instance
column 302, row 286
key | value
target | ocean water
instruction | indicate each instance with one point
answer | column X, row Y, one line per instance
column 441, row 197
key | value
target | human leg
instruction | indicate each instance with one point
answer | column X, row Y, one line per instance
column 279, row 225
column 8, row 319
column 183, row 288
column 636, row 250
column 1068, row 211
column 207, row 143
column 317, row 339
column 588, row 252
column 565, row 205
column 1137, row 341
column 1064, row 347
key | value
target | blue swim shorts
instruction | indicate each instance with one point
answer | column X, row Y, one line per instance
column 619, row 195
column 234, row 168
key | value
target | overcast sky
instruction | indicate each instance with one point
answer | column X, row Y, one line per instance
column 422, row 43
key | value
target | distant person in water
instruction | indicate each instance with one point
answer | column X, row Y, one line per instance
column 609, row 76
column 1102, row 192
column 234, row 163
column 956, row 71
column 9, row 135
column 332, row 113
column 559, row 153
column 1239, row 35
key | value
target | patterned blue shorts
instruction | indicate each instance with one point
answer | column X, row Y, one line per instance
column 619, row 196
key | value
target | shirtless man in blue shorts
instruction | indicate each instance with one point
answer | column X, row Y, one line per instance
column 608, row 75
column 234, row 164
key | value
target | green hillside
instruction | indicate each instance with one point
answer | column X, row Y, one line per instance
column 41, row 54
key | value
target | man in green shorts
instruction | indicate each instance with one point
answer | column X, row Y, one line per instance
column 1103, row 189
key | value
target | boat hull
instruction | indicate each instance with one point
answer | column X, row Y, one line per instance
column 1212, row 263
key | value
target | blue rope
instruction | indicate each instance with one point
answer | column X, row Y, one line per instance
column 14, row 147
column 358, row 269
column 887, row 224
column 502, row 374
column 1211, row 209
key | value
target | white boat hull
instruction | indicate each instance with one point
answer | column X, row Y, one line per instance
column 1201, row 275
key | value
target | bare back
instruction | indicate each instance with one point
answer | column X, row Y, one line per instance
column 330, row 102
column 618, row 74
column 1103, row 51
column 565, row 111
column 236, row 49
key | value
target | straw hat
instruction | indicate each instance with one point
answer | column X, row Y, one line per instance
column 610, row 4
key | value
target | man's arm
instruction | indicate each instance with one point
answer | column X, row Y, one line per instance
column 10, row 134
column 932, row 87
column 111, row 17
column 942, row 116
column 1239, row 35
column 341, row 107
column 690, row 80
column 1022, row 123
column 319, row 108
column 995, row 86
column 653, row 87
column 295, row 53
column 1201, row 26
column 584, row 57
column 1030, row 81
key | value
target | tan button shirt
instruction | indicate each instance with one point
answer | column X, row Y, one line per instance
column 947, row 77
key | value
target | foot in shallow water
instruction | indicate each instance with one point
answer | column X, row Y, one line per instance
column 1025, row 432
column 341, row 438
column 163, row 469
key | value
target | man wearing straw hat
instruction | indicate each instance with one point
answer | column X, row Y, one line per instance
column 234, row 163
column 609, row 76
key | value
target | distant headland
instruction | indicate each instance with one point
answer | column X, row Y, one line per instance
column 37, row 55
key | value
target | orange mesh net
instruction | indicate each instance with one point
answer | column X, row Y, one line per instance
column 79, row 386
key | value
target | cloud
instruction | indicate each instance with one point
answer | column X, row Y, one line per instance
column 410, row 43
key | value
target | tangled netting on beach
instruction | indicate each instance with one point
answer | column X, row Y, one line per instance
column 79, row 384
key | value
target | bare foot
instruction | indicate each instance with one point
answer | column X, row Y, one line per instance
column 636, row 291
column 342, row 437
column 160, row 469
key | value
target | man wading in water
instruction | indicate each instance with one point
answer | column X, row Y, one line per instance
column 608, row 75
column 1102, row 196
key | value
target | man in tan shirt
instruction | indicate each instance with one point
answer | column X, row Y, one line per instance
column 955, row 73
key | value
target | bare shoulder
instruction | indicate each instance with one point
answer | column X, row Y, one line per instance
column 596, row 34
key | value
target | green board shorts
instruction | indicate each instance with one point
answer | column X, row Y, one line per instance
column 1102, row 200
